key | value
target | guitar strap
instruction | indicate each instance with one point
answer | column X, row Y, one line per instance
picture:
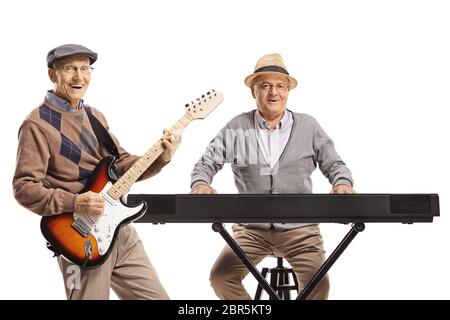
column 103, row 136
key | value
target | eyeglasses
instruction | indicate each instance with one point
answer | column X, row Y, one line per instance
column 264, row 86
column 72, row 69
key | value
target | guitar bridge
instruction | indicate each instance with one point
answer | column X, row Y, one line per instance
column 81, row 227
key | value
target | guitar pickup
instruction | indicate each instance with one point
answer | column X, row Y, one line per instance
column 81, row 227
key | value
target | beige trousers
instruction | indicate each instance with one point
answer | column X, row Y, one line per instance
column 301, row 247
column 127, row 271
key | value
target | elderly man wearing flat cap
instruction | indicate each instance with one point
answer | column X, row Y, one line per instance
column 57, row 151
column 271, row 150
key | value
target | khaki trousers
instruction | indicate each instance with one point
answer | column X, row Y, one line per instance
column 301, row 247
column 127, row 271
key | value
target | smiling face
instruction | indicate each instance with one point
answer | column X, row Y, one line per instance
column 271, row 93
column 69, row 80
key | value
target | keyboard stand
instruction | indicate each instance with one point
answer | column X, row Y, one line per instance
column 354, row 230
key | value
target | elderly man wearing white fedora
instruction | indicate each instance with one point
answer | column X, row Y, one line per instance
column 271, row 150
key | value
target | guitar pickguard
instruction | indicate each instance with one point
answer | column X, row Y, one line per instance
column 104, row 227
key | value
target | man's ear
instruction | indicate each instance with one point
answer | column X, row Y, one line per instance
column 253, row 91
column 52, row 74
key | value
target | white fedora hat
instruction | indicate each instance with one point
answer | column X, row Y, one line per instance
column 270, row 63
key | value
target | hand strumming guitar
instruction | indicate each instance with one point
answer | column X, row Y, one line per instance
column 89, row 203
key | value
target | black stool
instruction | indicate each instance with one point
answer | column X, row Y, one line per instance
column 279, row 281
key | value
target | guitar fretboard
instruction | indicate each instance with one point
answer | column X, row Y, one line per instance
column 123, row 185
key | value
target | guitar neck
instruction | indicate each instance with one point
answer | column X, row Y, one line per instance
column 123, row 185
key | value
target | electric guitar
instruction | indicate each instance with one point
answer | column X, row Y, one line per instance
column 87, row 241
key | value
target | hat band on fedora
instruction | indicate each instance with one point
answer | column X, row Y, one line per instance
column 272, row 69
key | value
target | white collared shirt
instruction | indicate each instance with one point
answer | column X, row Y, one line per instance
column 272, row 142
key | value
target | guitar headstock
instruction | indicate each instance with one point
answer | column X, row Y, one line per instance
column 203, row 105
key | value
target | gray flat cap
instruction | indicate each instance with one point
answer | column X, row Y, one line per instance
column 69, row 50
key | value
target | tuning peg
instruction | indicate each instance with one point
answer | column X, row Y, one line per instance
column 208, row 93
column 186, row 105
column 203, row 96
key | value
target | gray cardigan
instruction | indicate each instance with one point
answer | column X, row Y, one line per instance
column 308, row 146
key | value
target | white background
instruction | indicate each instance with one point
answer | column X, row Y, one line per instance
column 375, row 74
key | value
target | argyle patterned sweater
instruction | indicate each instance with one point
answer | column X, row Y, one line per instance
column 57, row 152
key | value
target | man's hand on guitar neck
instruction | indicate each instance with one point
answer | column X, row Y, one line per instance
column 89, row 203
column 170, row 141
